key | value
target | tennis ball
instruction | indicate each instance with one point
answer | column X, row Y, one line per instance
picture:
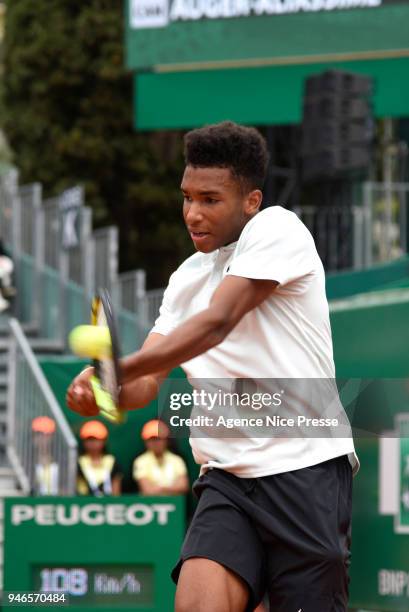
column 93, row 341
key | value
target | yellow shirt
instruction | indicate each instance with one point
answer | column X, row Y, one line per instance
column 163, row 473
column 96, row 479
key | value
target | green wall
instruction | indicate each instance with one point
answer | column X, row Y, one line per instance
column 381, row 276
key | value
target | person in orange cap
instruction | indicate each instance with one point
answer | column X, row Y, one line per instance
column 98, row 472
column 46, row 470
column 158, row 471
column 43, row 424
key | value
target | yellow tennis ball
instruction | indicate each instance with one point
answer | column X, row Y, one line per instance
column 93, row 341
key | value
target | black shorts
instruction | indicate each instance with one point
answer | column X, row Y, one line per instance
column 286, row 534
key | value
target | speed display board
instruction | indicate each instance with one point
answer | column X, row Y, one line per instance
column 104, row 554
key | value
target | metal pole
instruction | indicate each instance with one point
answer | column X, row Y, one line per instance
column 358, row 237
column 368, row 230
column 113, row 265
column 388, row 179
column 38, row 235
column 72, row 471
column 11, row 445
column 11, row 395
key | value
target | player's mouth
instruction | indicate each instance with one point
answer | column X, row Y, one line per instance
column 199, row 236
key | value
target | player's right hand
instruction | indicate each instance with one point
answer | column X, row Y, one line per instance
column 80, row 397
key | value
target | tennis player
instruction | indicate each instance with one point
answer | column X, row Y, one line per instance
column 274, row 514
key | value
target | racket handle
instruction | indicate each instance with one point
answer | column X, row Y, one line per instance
column 107, row 407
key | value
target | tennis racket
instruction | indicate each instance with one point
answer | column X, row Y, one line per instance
column 105, row 382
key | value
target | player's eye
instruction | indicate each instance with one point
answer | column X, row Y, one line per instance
column 187, row 198
column 211, row 201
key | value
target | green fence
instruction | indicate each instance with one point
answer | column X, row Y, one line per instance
column 53, row 306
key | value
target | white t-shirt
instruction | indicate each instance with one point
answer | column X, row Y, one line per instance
column 287, row 337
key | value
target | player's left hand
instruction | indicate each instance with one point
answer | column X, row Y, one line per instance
column 80, row 397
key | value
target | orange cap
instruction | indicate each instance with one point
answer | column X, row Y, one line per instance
column 93, row 429
column 155, row 429
column 43, row 424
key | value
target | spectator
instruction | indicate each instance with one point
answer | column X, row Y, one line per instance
column 46, row 471
column 158, row 471
column 98, row 472
column 6, row 269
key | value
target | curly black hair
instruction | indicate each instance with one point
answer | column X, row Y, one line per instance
column 228, row 145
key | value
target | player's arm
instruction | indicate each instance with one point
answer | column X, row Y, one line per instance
column 232, row 300
column 143, row 371
column 139, row 392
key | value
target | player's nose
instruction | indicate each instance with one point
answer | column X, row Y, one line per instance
column 193, row 214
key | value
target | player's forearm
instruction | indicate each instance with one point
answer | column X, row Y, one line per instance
column 194, row 337
column 138, row 393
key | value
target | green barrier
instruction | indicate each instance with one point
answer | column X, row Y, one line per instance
column 50, row 324
column 131, row 334
column 77, row 305
column 344, row 284
column 369, row 335
column 370, row 340
column 98, row 554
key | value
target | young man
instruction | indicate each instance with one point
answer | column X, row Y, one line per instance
column 274, row 513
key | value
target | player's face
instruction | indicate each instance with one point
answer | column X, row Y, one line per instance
column 215, row 207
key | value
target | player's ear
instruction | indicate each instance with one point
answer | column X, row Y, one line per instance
column 253, row 202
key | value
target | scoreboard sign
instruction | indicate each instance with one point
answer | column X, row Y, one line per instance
column 107, row 554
